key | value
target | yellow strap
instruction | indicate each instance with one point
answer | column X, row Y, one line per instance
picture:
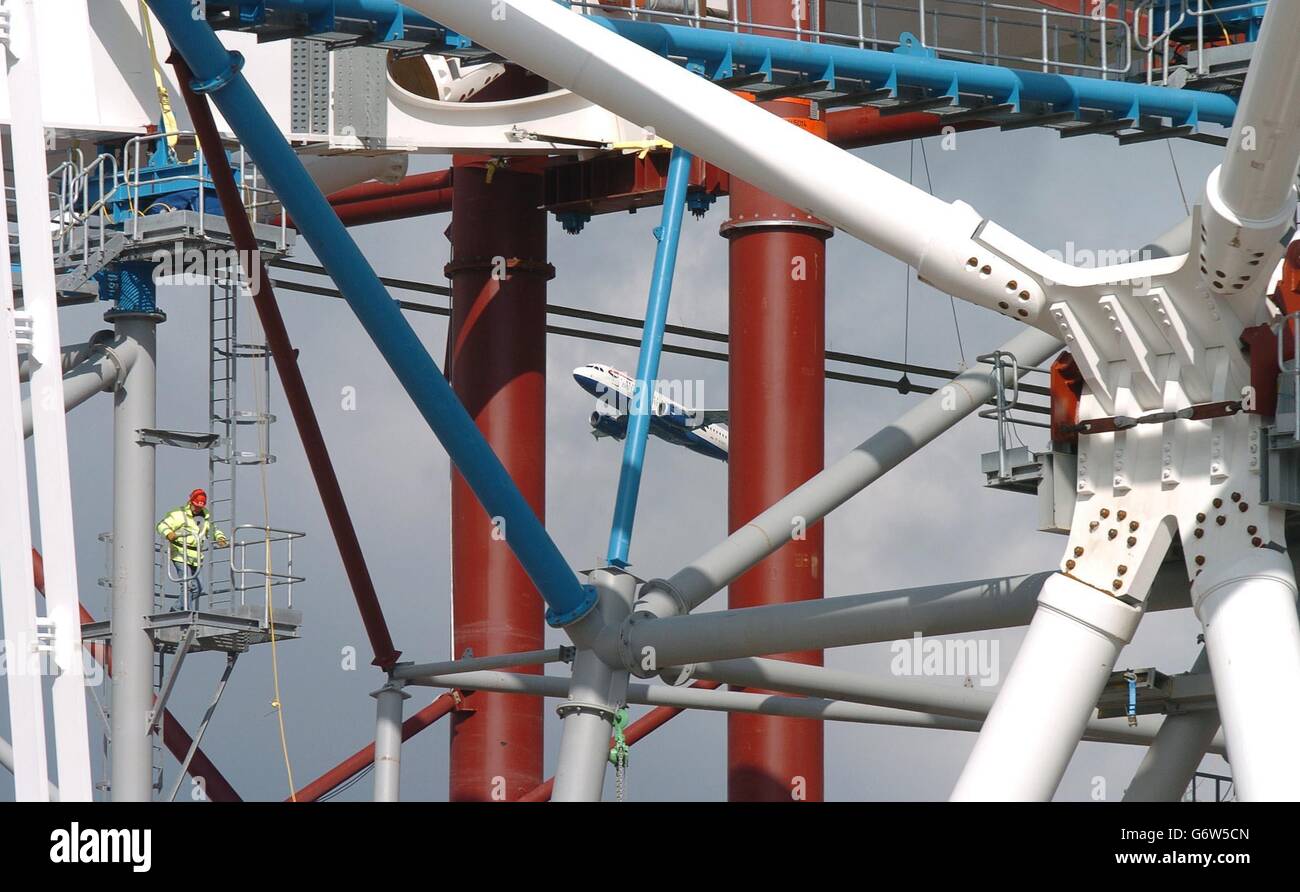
column 164, row 98
column 641, row 147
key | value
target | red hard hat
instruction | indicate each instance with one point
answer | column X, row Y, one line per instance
column 198, row 497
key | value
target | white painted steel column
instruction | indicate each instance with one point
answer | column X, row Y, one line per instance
column 1252, row 635
column 1049, row 694
column 53, row 486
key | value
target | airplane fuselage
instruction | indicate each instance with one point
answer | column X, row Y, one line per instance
column 670, row 420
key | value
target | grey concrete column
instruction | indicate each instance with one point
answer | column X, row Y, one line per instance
column 135, row 407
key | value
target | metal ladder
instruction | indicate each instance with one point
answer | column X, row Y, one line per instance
column 243, row 434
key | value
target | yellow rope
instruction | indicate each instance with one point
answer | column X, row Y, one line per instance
column 160, row 83
column 276, row 704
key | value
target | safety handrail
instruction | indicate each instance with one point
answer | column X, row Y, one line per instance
column 994, row 19
column 265, row 577
column 1290, row 367
column 1162, row 42
column 112, row 177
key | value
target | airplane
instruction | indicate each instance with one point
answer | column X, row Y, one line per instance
column 704, row 432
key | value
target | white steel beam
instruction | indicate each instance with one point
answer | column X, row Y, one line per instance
column 54, row 491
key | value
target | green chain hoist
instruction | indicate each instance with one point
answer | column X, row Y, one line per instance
column 618, row 752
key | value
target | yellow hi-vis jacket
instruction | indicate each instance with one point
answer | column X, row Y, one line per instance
column 191, row 530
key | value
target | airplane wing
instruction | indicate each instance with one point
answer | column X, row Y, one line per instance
column 710, row 416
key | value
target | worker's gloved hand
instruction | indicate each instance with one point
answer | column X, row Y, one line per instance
column 171, row 537
column 223, row 543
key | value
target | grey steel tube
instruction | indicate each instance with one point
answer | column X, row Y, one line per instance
column 960, row 702
column 596, row 690
column 844, row 710
column 70, row 355
column 388, row 742
column 707, row 574
column 978, row 605
column 642, row 694
column 1181, row 744
column 104, row 363
column 135, row 407
column 475, row 664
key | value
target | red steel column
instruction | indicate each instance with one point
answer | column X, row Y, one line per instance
column 498, row 274
column 777, row 404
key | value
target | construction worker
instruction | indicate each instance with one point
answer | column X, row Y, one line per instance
column 186, row 529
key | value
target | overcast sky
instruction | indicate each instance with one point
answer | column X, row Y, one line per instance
column 929, row 521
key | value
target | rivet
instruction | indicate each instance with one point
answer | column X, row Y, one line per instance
column 1218, row 503
column 1121, row 569
column 1133, row 525
column 1112, row 534
column 1236, row 497
column 1220, row 520
column 1105, row 512
column 1092, row 527
column 1078, row 551
column 1200, row 560
column 1243, row 507
column 1069, row 565
column 1199, row 533
column 1117, row 585
column 1257, row 542
column 1121, row 515
column 1252, row 529
column 1132, row 540
column 1200, row 518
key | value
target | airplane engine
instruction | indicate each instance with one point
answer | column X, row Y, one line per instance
column 607, row 425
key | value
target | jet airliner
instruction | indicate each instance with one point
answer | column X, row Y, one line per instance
column 704, row 432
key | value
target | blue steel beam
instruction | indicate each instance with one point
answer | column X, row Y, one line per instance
column 722, row 52
column 217, row 72
column 647, row 369
column 374, row 11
